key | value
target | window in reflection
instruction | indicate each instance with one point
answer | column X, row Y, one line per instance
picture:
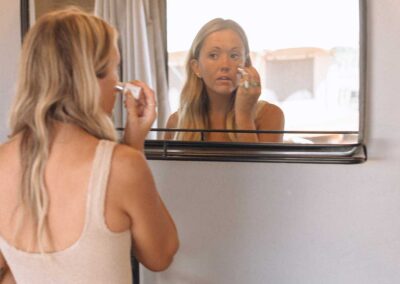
column 307, row 53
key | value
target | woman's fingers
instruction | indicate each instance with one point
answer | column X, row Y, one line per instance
column 131, row 104
column 140, row 115
column 249, row 78
column 149, row 95
column 144, row 107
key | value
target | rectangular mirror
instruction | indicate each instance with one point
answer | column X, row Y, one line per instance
column 309, row 54
column 306, row 52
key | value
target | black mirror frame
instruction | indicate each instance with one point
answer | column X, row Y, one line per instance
column 261, row 152
column 268, row 152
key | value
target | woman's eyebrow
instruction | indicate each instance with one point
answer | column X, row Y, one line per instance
column 215, row 47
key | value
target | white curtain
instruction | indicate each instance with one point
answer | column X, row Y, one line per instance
column 32, row 12
column 142, row 42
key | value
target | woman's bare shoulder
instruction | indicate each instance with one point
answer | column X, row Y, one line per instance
column 9, row 151
column 270, row 114
column 266, row 108
column 129, row 173
column 172, row 121
column 125, row 159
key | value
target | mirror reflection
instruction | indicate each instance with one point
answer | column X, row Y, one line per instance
column 305, row 52
column 222, row 90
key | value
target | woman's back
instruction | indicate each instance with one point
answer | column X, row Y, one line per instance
column 65, row 189
column 85, row 248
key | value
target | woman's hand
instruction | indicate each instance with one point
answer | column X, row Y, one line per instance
column 247, row 95
column 141, row 114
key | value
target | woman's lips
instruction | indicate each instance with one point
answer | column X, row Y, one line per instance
column 224, row 82
column 224, row 79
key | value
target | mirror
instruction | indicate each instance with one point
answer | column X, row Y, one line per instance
column 308, row 60
column 310, row 63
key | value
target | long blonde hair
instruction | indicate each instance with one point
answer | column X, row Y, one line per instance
column 193, row 107
column 63, row 55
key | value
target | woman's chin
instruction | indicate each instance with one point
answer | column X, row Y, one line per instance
column 225, row 91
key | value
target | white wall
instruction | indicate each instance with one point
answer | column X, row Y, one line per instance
column 292, row 223
column 283, row 223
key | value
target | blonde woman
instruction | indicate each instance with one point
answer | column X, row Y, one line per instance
column 222, row 90
column 73, row 202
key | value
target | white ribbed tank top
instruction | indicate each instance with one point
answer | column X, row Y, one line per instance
column 98, row 256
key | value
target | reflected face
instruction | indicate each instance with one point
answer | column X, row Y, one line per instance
column 221, row 54
column 107, row 83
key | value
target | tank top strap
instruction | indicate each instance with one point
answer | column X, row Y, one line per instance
column 98, row 183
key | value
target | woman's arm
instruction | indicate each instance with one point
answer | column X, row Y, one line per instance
column 6, row 276
column 141, row 114
column 171, row 123
column 270, row 117
column 246, row 101
column 155, row 238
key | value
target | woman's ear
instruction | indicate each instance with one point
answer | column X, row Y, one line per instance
column 194, row 64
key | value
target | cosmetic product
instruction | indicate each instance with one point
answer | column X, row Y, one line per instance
column 128, row 87
column 242, row 71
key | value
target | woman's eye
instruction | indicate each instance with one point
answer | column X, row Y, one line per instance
column 235, row 56
column 213, row 55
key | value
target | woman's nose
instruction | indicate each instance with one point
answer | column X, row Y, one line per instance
column 226, row 63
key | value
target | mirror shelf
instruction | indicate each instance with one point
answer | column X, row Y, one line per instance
column 256, row 152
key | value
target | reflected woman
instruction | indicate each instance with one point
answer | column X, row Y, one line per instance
column 222, row 90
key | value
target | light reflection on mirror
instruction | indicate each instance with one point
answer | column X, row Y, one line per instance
column 307, row 53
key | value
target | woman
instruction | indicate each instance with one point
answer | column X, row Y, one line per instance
column 72, row 201
column 222, row 90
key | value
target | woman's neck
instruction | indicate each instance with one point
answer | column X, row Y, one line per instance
column 66, row 132
column 218, row 104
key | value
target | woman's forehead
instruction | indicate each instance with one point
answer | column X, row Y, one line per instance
column 222, row 39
